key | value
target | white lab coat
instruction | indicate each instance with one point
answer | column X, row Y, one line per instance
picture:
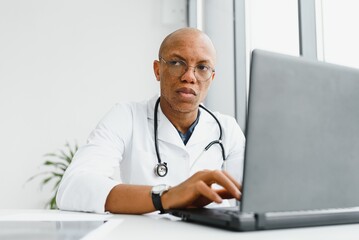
column 124, row 140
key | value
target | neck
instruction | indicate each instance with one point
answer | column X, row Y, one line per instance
column 182, row 120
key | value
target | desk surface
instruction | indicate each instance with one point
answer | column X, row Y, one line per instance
column 153, row 226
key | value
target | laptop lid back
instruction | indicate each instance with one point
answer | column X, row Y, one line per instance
column 302, row 135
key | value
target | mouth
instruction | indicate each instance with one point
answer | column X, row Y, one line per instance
column 186, row 91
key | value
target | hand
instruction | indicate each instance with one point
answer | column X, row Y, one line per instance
column 197, row 192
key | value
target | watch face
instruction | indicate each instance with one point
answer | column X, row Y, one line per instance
column 159, row 188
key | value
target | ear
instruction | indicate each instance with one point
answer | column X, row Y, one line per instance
column 156, row 69
column 213, row 74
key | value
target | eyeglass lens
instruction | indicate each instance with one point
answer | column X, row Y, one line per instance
column 178, row 68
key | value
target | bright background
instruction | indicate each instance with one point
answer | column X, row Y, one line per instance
column 64, row 64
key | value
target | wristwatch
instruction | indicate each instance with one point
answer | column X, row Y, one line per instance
column 156, row 193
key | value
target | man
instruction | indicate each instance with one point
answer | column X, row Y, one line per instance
column 131, row 138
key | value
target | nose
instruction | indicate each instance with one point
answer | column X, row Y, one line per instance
column 189, row 75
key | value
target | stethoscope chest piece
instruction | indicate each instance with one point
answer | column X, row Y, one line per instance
column 161, row 169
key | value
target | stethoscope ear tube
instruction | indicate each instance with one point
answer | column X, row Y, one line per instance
column 219, row 142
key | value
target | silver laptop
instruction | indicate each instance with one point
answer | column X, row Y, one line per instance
column 302, row 152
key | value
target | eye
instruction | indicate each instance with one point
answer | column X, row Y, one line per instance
column 203, row 68
column 176, row 63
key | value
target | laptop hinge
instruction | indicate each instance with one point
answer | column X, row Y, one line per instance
column 303, row 218
column 261, row 220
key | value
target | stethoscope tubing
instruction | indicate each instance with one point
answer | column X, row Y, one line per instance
column 219, row 141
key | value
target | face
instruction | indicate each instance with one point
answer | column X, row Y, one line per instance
column 184, row 93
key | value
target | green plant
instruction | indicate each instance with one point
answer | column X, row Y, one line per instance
column 56, row 163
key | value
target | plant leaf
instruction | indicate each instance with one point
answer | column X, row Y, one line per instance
column 50, row 155
column 56, row 158
column 37, row 175
column 56, row 185
column 65, row 156
column 59, row 162
column 46, row 180
column 52, row 203
column 55, row 164
column 73, row 151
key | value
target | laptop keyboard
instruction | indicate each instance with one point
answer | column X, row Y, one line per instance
column 233, row 218
column 233, row 212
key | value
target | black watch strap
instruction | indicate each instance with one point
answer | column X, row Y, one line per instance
column 156, row 199
column 156, row 194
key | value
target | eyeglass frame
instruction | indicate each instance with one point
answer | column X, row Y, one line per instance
column 212, row 70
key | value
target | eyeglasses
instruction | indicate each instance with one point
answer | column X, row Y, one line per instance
column 177, row 68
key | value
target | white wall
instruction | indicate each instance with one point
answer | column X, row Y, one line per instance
column 63, row 64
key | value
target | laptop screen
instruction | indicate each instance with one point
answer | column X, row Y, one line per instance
column 302, row 135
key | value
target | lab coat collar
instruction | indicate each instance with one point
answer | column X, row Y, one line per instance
column 151, row 107
column 168, row 133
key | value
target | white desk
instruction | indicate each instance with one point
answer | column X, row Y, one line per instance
column 160, row 226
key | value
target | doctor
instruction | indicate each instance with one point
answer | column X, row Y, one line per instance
column 169, row 152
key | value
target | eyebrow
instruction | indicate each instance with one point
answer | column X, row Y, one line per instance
column 175, row 55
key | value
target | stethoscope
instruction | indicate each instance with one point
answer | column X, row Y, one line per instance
column 161, row 168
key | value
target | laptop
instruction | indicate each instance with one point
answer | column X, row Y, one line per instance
column 302, row 149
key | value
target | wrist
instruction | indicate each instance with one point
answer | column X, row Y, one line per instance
column 157, row 196
column 165, row 200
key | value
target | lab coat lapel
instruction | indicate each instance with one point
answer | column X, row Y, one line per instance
column 202, row 131
column 167, row 132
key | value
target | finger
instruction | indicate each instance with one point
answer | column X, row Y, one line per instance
column 207, row 176
column 206, row 191
column 224, row 194
column 238, row 185
column 227, row 183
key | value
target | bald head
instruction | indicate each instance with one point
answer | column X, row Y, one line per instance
column 189, row 36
